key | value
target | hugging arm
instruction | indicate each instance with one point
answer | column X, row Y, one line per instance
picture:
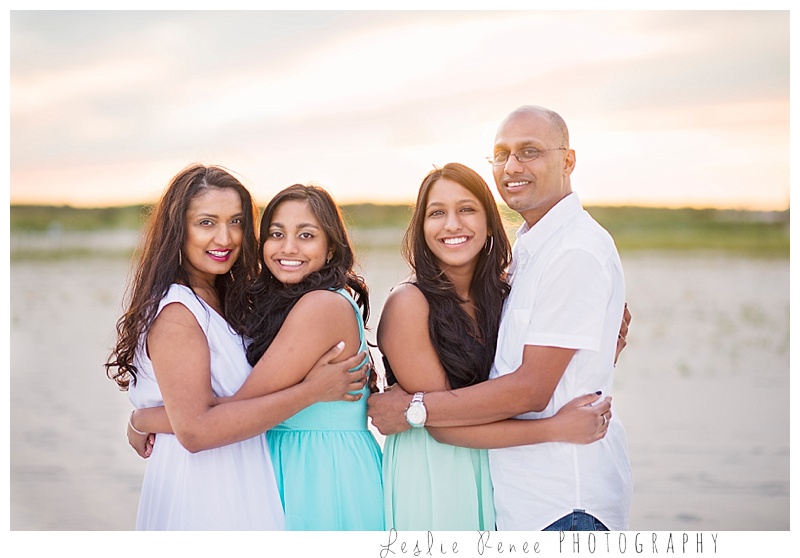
column 404, row 323
column 180, row 355
column 328, row 381
column 541, row 370
column 297, row 352
column 531, row 386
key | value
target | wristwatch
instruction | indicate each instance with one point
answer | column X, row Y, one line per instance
column 416, row 412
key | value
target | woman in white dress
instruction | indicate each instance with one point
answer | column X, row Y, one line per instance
column 175, row 348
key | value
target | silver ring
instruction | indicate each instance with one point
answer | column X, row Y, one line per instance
column 605, row 420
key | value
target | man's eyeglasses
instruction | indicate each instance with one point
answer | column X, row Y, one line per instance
column 524, row 155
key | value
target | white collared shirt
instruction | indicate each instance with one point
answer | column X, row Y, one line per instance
column 567, row 290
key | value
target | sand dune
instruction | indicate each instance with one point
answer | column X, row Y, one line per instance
column 703, row 390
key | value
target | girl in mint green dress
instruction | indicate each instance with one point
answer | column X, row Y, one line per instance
column 438, row 331
column 449, row 312
column 306, row 299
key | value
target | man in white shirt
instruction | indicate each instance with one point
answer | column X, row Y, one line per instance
column 557, row 340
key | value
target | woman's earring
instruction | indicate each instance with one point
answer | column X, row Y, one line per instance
column 490, row 243
column 180, row 259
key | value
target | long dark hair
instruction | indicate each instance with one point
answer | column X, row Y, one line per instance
column 270, row 300
column 160, row 262
column 465, row 347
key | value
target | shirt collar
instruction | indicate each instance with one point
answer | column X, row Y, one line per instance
column 532, row 238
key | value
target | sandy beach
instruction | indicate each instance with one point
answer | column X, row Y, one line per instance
column 702, row 389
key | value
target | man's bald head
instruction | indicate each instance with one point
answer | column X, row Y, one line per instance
column 559, row 127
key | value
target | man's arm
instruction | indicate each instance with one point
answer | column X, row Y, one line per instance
column 575, row 285
column 528, row 388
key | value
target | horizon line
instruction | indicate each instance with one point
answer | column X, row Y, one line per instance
column 411, row 203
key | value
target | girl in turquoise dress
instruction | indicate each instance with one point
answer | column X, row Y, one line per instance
column 449, row 312
column 306, row 298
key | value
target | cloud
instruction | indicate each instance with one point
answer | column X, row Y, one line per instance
column 284, row 93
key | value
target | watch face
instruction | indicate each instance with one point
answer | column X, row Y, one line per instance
column 416, row 414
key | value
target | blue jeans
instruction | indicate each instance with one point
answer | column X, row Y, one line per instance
column 578, row 520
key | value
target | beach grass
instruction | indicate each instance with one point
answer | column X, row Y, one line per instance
column 755, row 233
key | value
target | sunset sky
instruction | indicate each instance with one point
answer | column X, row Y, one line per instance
column 672, row 108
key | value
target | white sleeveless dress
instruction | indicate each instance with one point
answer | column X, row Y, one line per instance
column 228, row 488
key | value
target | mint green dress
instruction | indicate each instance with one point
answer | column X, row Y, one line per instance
column 429, row 486
column 328, row 464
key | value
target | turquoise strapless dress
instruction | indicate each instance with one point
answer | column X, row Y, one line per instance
column 328, row 464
